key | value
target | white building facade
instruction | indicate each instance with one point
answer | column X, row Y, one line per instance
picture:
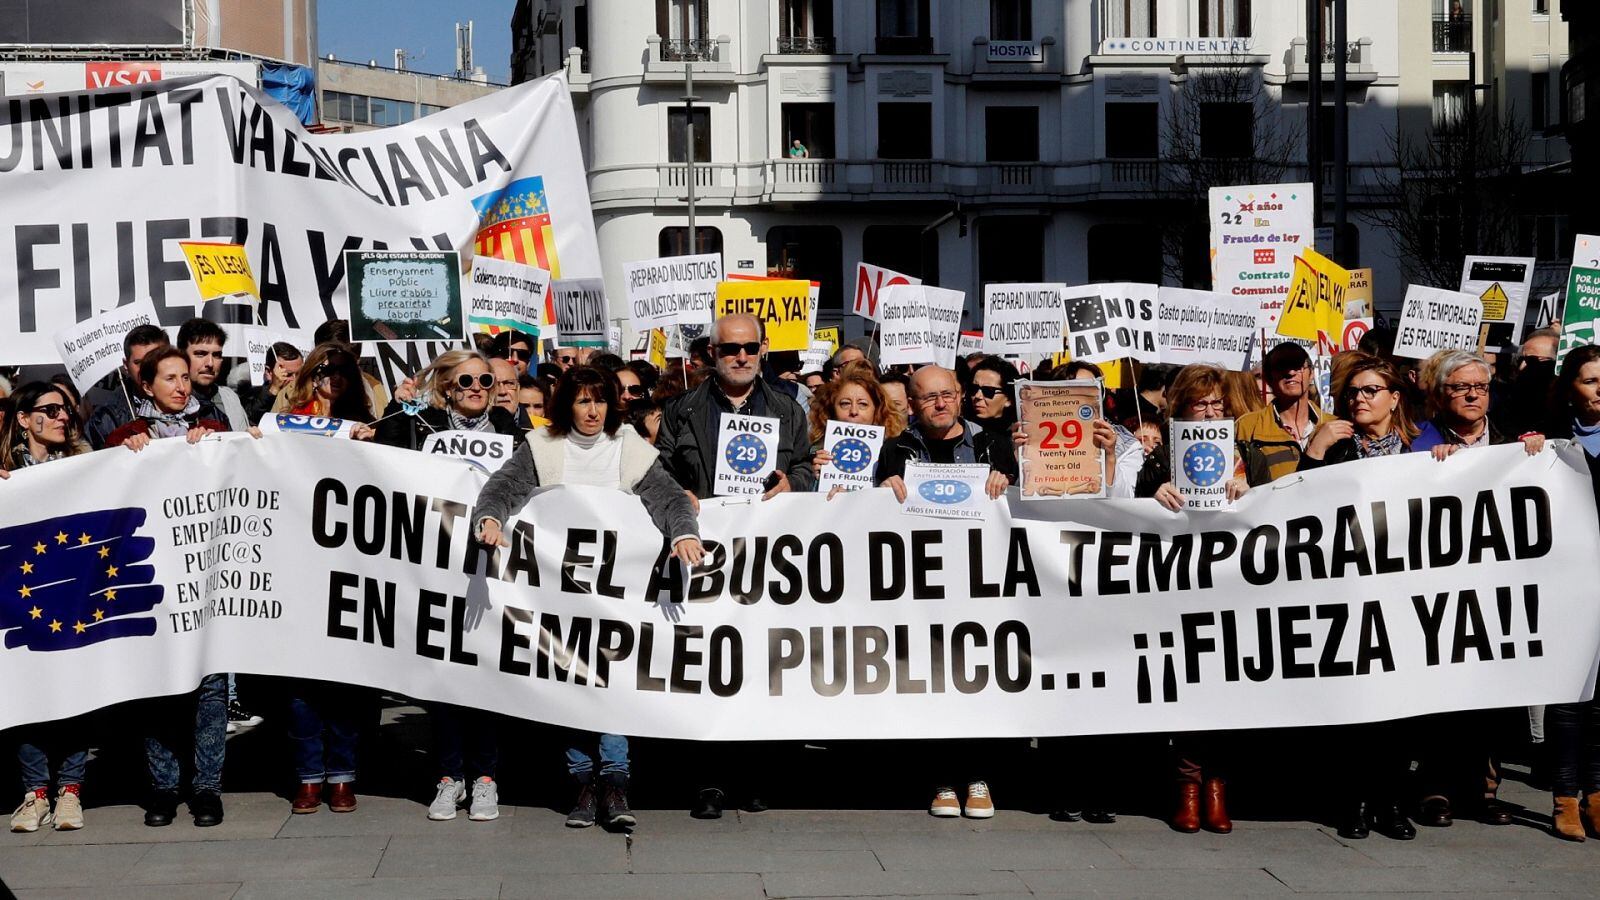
column 976, row 141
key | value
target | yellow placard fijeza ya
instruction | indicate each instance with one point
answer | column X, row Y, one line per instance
column 782, row 306
column 1315, row 304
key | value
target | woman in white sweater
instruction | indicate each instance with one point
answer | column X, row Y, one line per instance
column 585, row 443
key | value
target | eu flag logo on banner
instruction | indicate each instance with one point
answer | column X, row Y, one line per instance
column 73, row 581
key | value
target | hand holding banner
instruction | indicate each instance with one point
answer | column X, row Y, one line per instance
column 854, row 450
column 1060, row 458
column 1202, row 462
column 946, row 491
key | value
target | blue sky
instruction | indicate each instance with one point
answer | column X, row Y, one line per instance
column 372, row 29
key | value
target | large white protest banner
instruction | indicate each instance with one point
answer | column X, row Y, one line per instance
column 1205, row 326
column 91, row 350
column 674, row 290
column 1023, row 319
column 903, row 326
column 1368, row 591
column 1432, row 319
column 213, row 159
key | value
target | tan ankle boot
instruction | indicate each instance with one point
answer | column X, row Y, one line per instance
column 1591, row 813
column 1566, row 823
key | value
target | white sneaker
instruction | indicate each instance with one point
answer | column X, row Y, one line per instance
column 34, row 811
column 979, row 804
column 447, row 801
column 485, row 801
column 946, row 805
column 69, row 811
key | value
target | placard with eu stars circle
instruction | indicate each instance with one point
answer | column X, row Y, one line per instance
column 747, row 450
column 853, row 450
column 1202, row 457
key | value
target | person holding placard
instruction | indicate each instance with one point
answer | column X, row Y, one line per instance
column 1370, row 421
column 329, row 385
column 1201, row 757
column 457, row 392
column 282, row 365
column 586, row 443
column 1273, row 437
column 1458, row 754
column 853, row 397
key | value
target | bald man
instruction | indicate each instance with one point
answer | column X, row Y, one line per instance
column 939, row 435
column 690, row 422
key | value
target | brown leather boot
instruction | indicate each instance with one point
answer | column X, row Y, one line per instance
column 1591, row 814
column 1214, row 799
column 1187, row 817
column 1565, row 822
column 308, row 799
column 342, row 797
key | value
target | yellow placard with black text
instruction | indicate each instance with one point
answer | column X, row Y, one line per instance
column 1315, row 304
column 220, row 270
column 784, row 308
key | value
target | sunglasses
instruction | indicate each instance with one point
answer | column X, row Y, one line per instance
column 49, row 410
column 730, row 348
column 466, row 382
column 328, row 370
column 566, row 359
column 989, row 393
column 635, row 390
column 521, row 353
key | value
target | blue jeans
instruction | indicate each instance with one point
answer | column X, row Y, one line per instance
column 613, row 755
column 464, row 738
column 324, row 727
column 202, row 716
column 38, row 743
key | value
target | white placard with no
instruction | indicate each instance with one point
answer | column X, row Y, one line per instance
column 870, row 282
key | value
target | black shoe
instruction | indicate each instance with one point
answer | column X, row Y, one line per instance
column 709, row 805
column 1066, row 815
column 161, row 809
column 617, row 813
column 1435, row 813
column 206, row 807
column 1495, row 812
column 755, row 804
column 583, row 813
column 1354, row 826
column 1099, row 816
column 1390, row 822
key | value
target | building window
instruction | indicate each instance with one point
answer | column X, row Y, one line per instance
column 905, row 131
column 1227, row 130
column 1452, row 26
column 1133, row 130
column 904, row 27
column 1011, row 133
column 1449, row 106
column 906, row 249
column 1129, row 18
column 813, row 253
column 805, row 26
column 1225, row 18
column 1539, row 107
column 674, row 241
column 678, row 137
column 812, row 125
column 683, row 26
column 1124, row 253
column 1010, row 20
column 1010, row 248
column 1541, row 7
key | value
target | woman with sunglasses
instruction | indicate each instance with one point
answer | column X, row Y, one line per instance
column 631, row 388
column 42, row 428
column 1370, row 421
column 456, row 393
column 989, row 402
column 586, row 443
column 329, row 385
column 1195, row 395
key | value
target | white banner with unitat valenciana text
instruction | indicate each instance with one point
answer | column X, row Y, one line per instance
column 100, row 188
column 1363, row 591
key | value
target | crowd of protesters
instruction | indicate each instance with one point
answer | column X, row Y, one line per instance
column 589, row 417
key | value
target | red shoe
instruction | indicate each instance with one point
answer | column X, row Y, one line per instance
column 308, row 799
column 342, row 797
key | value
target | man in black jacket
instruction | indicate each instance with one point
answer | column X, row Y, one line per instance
column 938, row 434
column 690, row 423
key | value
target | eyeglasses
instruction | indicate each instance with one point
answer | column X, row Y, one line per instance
column 730, row 348
column 1463, row 389
column 1365, row 392
column 937, row 396
column 49, row 410
column 466, row 382
column 328, row 370
column 987, row 391
column 635, row 390
column 521, row 353
column 1217, row 405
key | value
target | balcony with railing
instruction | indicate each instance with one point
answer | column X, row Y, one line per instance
column 799, row 45
column 1452, row 33
column 577, row 69
column 666, row 58
column 1360, row 64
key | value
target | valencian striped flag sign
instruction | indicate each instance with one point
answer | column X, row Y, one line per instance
column 77, row 580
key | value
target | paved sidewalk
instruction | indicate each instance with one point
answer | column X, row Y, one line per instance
column 387, row 848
